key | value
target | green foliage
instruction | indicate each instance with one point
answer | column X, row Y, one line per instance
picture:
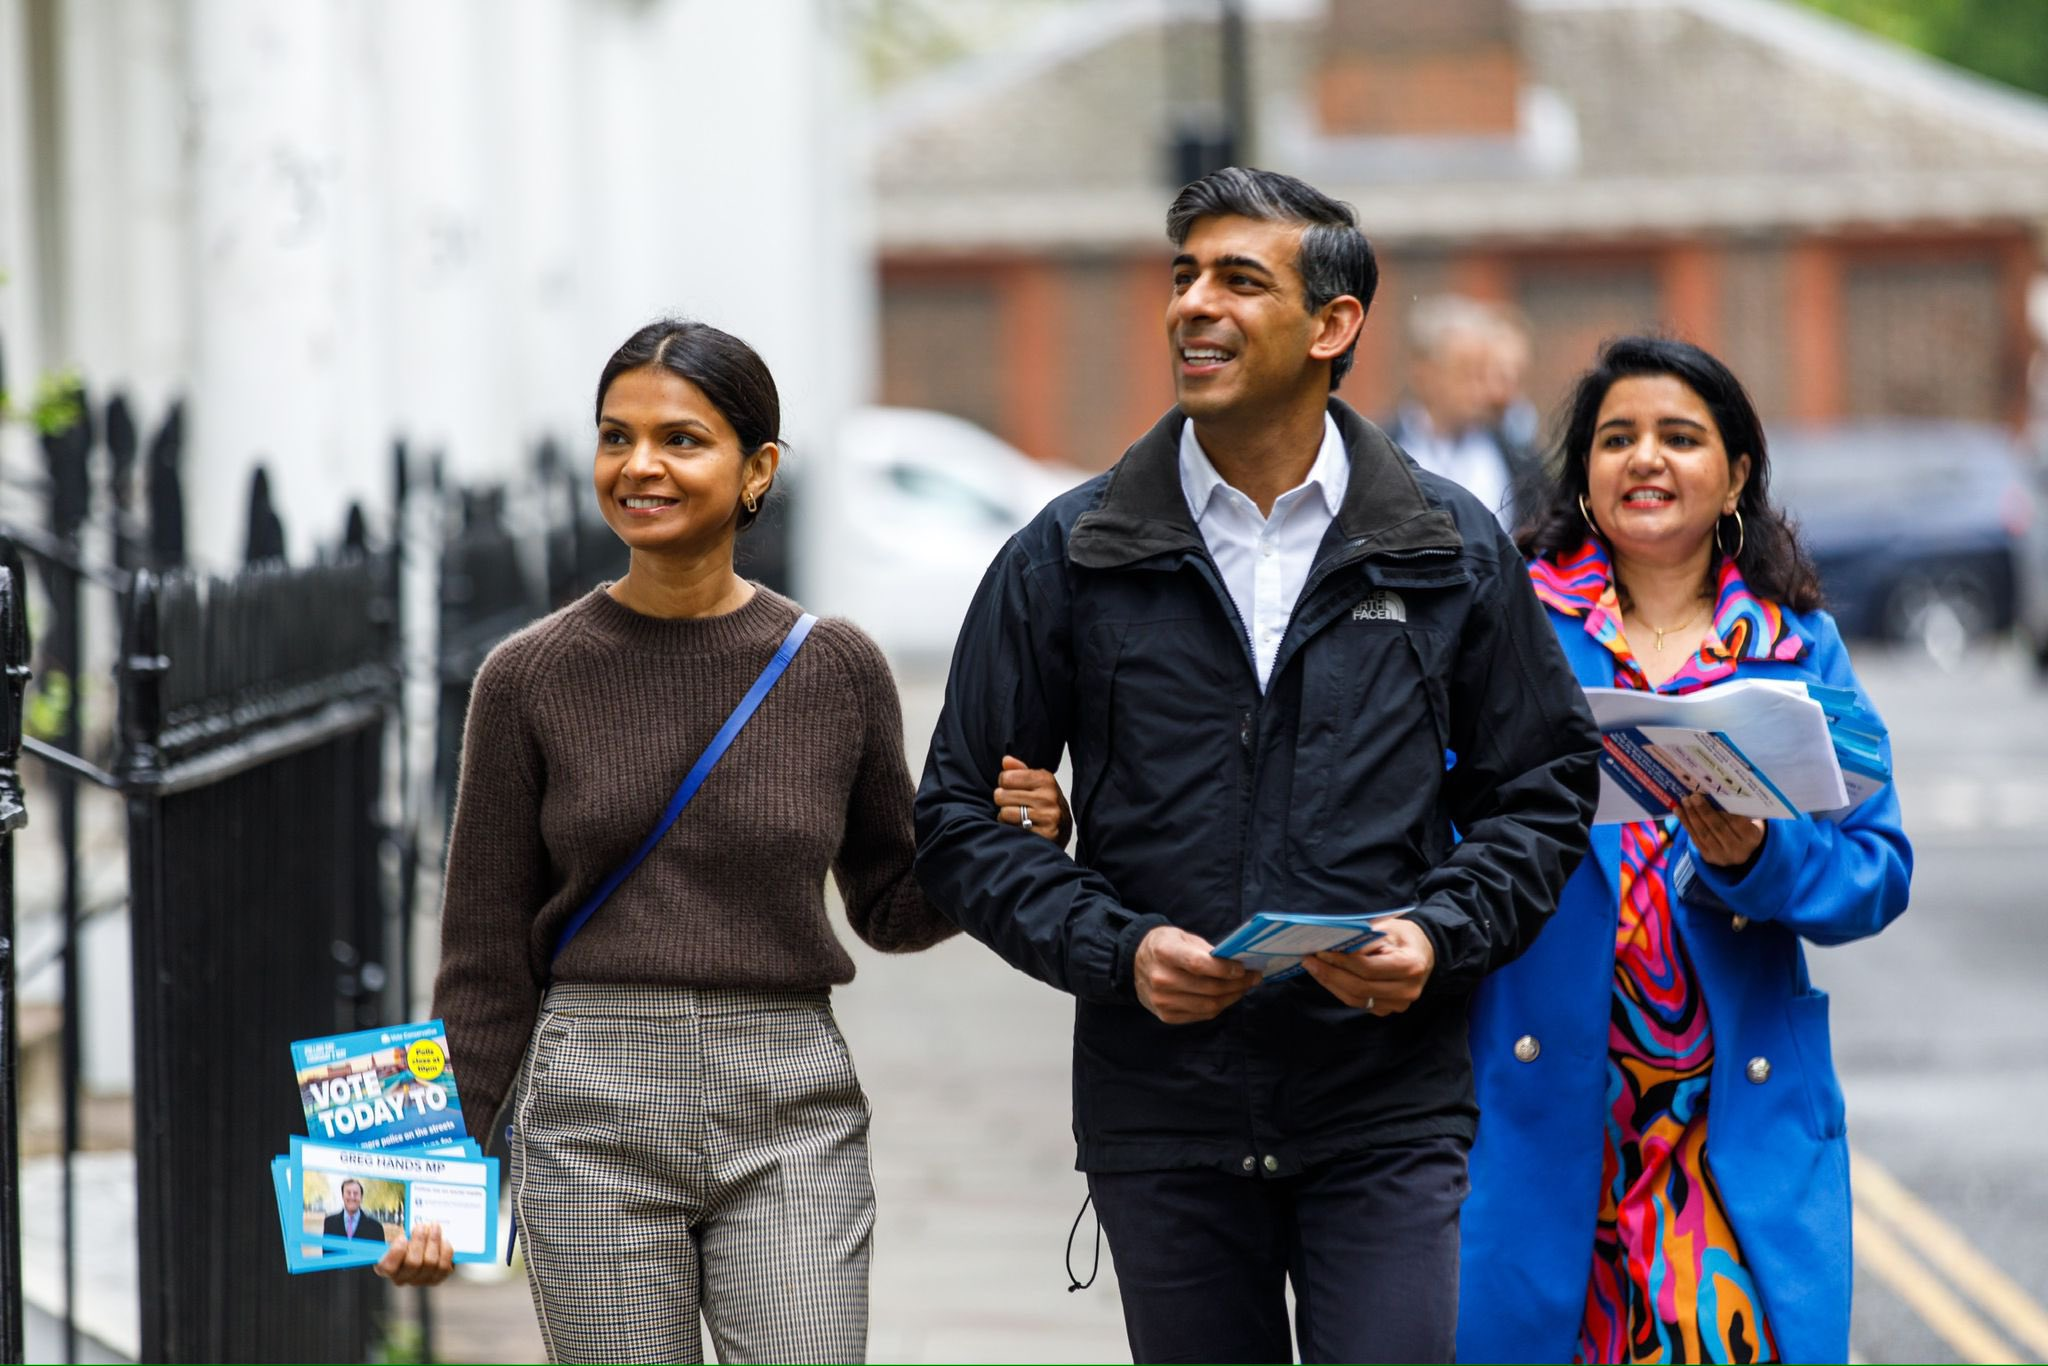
column 48, row 703
column 402, row 1342
column 58, row 404
column 2006, row 40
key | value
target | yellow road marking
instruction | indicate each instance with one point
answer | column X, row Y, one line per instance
column 1880, row 1193
column 1940, row 1308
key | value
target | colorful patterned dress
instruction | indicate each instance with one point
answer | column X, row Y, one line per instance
column 1668, row 1282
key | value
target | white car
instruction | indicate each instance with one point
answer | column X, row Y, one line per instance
column 898, row 532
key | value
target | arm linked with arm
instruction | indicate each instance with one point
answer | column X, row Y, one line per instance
column 884, row 904
column 1523, row 788
column 1010, row 691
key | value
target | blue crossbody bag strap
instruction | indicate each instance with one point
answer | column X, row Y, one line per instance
column 692, row 780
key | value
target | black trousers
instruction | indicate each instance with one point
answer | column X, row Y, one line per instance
column 1369, row 1240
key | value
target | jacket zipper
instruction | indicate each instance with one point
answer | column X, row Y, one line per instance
column 1248, row 787
column 1323, row 571
column 1247, row 719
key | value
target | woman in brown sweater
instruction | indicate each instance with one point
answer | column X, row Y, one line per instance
column 689, row 1136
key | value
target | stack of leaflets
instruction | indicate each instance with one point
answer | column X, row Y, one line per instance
column 1273, row 943
column 1859, row 739
column 1756, row 747
column 387, row 1150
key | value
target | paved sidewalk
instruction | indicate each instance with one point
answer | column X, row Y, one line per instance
column 966, row 1063
column 108, row 1308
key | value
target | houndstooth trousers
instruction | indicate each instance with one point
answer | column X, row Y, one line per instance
column 677, row 1152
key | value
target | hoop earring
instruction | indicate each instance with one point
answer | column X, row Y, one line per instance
column 1741, row 536
column 1591, row 525
column 749, row 502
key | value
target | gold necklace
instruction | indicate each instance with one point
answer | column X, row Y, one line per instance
column 1662, row 631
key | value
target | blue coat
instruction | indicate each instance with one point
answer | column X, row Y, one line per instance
column 1777, row 1146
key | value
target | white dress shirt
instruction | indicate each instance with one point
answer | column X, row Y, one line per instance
column 1473, row 459
column 1265, row 560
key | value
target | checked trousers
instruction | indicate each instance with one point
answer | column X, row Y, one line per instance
column 678, row 1153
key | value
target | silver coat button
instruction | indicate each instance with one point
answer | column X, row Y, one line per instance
column 1741, row 922
column 1250, row 1162
column 1758, row 1071
column 1272, row 1163
column 1527, row 1049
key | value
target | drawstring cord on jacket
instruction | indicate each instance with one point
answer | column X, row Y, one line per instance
column 1074, row 1282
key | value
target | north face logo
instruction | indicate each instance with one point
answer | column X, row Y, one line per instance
column 1381, row 604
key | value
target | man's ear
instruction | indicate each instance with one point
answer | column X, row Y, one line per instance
column 1338, row 324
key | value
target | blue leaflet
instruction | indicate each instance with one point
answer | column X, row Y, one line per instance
column 382, row 1107
column 380, row 1088
column 1274, row 942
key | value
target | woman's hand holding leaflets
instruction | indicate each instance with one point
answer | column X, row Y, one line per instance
column 426, row 1258
column 1721, row 839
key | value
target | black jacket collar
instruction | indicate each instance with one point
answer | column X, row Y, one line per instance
column 1144, row 513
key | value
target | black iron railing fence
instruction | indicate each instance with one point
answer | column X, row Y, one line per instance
column 253, row 712
column 14, row 645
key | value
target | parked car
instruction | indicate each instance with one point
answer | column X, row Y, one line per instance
column 1928, row 532
column 2033, row 568
column 899, row 531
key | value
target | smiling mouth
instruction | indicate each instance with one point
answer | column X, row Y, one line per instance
column 1648, row 498
column 1204, row 357
column 646, row 504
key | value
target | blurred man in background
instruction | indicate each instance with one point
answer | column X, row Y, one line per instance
column 1520, row 422
column 1464, row 416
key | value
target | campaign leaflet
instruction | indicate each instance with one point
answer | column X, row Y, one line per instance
column 327, row 1226
column 380, row 1088
column 1765, row 747
column 1273, row 943
column 1755, row 747
column 1660, row 766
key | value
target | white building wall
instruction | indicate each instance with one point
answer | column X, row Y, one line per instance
column 332, row 222
column 21, row 283
column 268, row 91
column 329, row 223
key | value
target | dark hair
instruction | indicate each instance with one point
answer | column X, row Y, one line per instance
column 729, row 372
column 1772, row 562
column 1334, row 258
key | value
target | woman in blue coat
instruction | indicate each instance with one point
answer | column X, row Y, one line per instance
column 1661, row 1172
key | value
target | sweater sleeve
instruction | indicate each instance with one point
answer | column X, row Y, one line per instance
column 884, row 903
column 489, row 986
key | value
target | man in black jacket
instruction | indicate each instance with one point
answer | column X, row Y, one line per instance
column 1294, row 674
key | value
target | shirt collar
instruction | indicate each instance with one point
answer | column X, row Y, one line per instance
column 1330, row 475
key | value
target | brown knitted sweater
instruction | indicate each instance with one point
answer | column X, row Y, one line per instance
column 579, row 730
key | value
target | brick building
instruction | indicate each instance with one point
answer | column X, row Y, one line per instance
column 1855, row 227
